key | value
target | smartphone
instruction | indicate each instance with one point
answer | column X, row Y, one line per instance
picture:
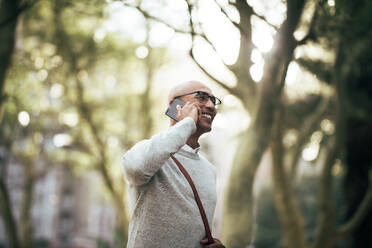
column 172, row 109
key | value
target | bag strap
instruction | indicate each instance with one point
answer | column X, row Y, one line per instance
column 197, row 199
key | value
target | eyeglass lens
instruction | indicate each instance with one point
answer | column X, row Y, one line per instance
column 204, row 97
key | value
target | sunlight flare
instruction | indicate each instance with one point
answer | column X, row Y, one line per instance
column 24, row 118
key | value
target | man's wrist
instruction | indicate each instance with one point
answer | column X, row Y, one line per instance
column 186, row 126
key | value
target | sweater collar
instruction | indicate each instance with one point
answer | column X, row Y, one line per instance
column 189, row 149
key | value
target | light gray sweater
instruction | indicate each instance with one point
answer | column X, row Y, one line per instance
column 164, row 213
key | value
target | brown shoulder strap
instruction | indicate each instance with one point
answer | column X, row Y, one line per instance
column 197, row 199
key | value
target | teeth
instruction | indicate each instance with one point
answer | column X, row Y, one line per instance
column 207, row 116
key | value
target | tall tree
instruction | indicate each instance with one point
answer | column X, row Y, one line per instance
column 9, row 13
column 346, row 29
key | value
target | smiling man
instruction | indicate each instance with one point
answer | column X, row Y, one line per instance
column 164, row 212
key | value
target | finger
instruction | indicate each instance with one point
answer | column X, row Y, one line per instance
column 187, row 104
column 197, row 108
column 199, row 111
column 191, row 104
column 194, row 105
column 217, row 243
column 204, row 241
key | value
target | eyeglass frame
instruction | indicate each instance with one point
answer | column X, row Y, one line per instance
column 215, row 102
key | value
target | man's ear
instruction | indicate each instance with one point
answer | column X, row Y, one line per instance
column 170, row 102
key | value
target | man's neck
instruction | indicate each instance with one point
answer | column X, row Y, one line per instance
column 193, row 141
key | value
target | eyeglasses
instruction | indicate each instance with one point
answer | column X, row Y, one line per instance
column 203, row 97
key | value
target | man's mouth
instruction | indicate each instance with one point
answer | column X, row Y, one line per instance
column 206, row 115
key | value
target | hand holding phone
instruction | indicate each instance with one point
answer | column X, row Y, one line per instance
column 188, row 109
column 172, row 110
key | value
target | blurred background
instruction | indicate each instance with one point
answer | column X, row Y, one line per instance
column 82, row 81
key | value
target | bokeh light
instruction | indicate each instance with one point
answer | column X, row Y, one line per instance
column 23, row 118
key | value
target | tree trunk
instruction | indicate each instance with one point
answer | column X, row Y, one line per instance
column 8, row 217
column 326, row 218
column 9, row 11
column 289, row 213
column 238, row 219
column 26, row 217
column 239, row 203
column 238, row 215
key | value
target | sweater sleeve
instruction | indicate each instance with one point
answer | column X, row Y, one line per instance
column 144, row 159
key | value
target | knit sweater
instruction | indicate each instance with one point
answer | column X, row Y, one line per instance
column 164, row 213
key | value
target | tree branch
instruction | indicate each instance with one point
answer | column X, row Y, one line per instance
column 308, row 127
column 87, row 116
column 326, row 215
column 266, row 21
column 232, row 91
column 193, row 34
column 360, row 213
column 228, row 17
column 219, row 82
column 147, row 15
column 263, row 18
column 310, row 34
column 192, row 31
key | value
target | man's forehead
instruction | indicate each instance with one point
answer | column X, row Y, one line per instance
column 194, row 87
column 188, row 87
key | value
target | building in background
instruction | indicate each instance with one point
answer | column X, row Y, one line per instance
column 66, row 211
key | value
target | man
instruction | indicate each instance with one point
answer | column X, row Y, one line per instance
column 164, row 213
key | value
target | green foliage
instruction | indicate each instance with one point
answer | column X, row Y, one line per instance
column 119, row 238
column 54, row 57
column 102, row 244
